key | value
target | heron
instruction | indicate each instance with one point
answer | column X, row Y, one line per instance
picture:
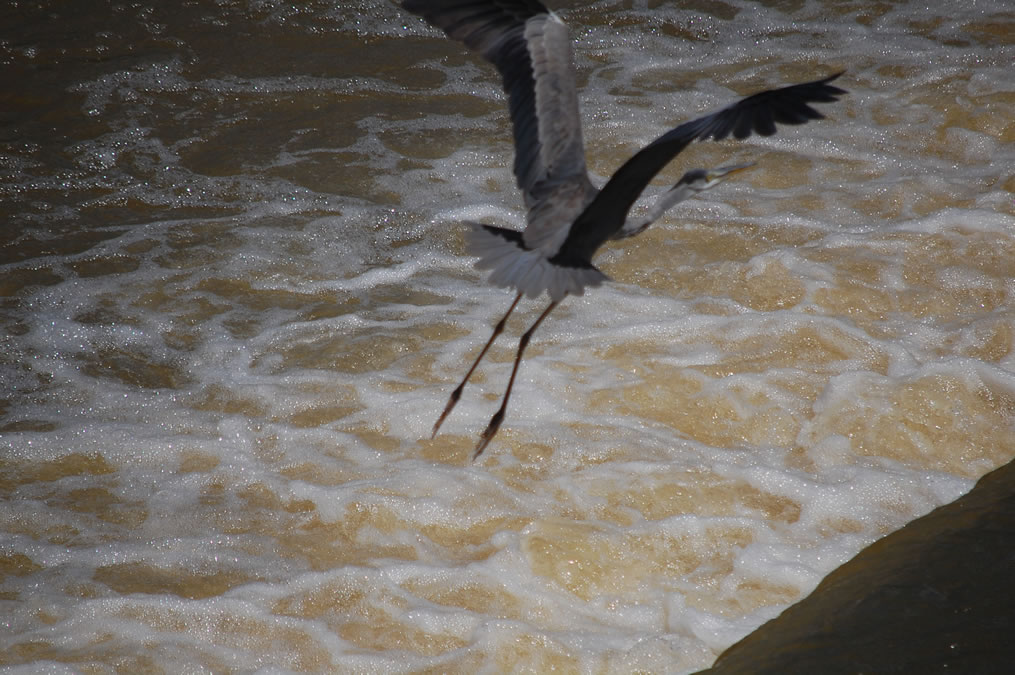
column 568, row 218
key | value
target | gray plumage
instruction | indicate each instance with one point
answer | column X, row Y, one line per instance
column 568, row 217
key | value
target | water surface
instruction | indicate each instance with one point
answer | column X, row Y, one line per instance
column 234, row 301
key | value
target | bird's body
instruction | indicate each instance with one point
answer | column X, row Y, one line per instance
column 569, row 219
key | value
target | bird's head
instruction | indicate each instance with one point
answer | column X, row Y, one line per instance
column 689, row 185
column 699, row 180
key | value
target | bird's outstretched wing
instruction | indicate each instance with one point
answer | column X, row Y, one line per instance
column 755, row 114
column 531, row 48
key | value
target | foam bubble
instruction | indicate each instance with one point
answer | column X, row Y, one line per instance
column 242, row 302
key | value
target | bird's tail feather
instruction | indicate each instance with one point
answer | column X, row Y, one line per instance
column 528, row 271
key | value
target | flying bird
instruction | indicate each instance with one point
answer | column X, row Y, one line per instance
column 569, row 219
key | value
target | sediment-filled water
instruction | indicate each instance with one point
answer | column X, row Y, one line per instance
column 235, row 301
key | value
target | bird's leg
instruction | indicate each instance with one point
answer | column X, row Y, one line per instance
column 498, row 417
column 457, row 393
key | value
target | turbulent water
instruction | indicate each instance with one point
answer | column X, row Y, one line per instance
column 234, row 302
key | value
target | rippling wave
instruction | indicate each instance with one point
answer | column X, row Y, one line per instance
column 234, row 302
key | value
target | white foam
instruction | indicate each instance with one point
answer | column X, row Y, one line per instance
column 312, row 324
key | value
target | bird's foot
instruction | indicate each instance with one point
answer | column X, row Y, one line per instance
column 452, row 400
column 487, row 436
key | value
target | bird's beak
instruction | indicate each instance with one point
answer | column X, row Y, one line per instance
column 724, row 172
